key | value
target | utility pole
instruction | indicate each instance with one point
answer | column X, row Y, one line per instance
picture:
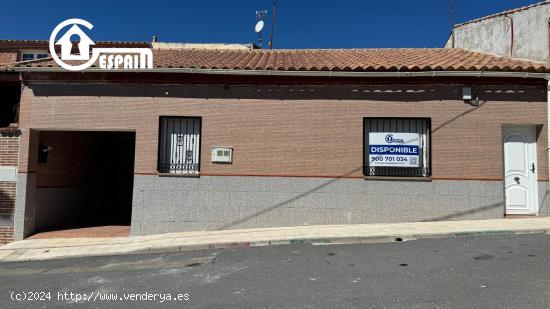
column 260, row 15
column 273, row 13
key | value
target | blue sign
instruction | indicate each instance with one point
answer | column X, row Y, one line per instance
column 394, row 149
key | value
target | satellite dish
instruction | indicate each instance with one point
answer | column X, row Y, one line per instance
column 259, row 26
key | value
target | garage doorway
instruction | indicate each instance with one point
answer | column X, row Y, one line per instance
column 84, row 179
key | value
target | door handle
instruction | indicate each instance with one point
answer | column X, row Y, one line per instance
column 516, row 179
column 533, row 168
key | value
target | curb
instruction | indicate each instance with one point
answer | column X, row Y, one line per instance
column 276, row 242
column 338, row 240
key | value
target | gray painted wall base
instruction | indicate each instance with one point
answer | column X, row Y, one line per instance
column 544, row 199
column 170, row 204
column 175, row 204
column 25, row 205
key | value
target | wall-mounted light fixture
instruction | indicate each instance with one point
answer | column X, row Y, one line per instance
column 469, row 95
column 43, row 153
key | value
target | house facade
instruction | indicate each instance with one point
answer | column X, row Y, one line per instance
column 12, row 51
column 223, row 139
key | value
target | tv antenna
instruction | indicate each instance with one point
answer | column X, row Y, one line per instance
column 260, row 15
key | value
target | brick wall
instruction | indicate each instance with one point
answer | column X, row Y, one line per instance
column 6, row 234
column 7, row 197
column 8, row 57
column 9, row 150
column 311, row 131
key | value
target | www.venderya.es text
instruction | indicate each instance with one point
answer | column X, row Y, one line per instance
column 94, row 296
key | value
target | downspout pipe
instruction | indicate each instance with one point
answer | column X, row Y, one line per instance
column 511, row 35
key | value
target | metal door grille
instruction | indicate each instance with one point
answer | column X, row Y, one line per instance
column 179, row 145
column 401, row 125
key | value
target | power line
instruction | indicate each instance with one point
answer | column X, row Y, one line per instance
column 311, row 33
column 273, row 13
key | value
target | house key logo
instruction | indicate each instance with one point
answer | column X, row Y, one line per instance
column 84, row 55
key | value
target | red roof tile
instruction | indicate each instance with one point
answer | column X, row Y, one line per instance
column 393, row 59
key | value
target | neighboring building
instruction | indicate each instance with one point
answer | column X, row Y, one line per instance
column 9, row 150
column 10, row 91
column 217, row 139
column 170, row 45
column 518, row 33
column 24, row 50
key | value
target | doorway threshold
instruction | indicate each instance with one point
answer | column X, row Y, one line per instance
column 519, row 216
column 86, row 232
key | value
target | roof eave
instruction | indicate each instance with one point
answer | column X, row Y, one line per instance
column 505, row 74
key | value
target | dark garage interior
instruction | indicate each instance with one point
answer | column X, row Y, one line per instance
column 84, row 179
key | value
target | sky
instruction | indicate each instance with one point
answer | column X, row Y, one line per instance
column 299, row 23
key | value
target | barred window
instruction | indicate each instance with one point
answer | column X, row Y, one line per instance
column 398, row 147
column 179, row 145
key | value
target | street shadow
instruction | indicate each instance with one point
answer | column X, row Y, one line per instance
column 544, row 198
column 464, row 213
column 288, row 201
column 333, row 180
column 464, row 113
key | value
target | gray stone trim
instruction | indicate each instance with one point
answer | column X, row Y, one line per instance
column 170, row 204
column 544, row 199
column 25, row 205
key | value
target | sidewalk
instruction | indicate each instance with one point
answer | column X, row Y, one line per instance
column 44, row 249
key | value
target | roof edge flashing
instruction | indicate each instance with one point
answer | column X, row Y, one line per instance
column 302, row 73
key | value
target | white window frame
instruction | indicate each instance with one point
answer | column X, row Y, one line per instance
column 34, row 54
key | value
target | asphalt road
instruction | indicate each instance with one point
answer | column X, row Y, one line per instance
column 475, row 272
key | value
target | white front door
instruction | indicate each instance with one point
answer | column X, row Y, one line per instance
column 520, row 170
